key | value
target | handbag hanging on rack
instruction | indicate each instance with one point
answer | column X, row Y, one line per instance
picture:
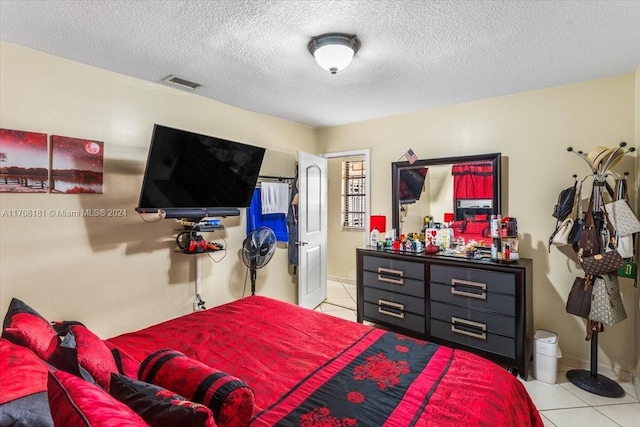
column 622, row 217
column 579, row 300
column 564, row 206
column 594, row 257
column 565, row 227
column 606, row 305
column 578, row 223
column 625, row 241
column 590, row 241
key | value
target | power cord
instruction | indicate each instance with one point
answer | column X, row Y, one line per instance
column 199, row 303
column 224, row 249
column 244, row 289
column 161, row 215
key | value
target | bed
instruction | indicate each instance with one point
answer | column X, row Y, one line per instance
column 306, row 368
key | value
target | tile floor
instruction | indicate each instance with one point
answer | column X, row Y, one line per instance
column 561, row 404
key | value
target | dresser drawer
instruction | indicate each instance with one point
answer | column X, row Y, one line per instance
column 401, row 302
column 489, row 301
column 491, row 281
column 389, row 315
column 393, row 269
column 403, row 285
column 474, row 337
column 489, row 322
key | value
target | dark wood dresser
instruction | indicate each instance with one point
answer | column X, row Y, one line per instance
column 476, row 305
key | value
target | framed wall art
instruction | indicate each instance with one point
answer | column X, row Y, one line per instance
column 77, row 165
column 24, row 162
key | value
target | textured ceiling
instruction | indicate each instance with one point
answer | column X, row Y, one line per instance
column 415, row 54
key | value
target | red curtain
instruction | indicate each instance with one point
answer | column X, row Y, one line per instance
column 473, row 180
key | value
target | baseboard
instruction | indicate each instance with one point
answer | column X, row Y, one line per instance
column 614, row 373
column 342, row 280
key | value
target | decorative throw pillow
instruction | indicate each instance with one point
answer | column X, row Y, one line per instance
column 231, row 400
column 476, row 217
column 85, row 349
column 158, row 406
column 126, row 364
column 26, row 327
column 23, row 385
column 477, row 227
column 76, row 403
column 28, row 411
column 459, row 226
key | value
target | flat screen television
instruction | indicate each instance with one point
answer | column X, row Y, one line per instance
column 190, row 175
column 411, row 184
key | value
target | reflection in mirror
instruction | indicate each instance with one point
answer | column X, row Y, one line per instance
column 461, row 192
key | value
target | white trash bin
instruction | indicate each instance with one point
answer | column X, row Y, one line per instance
column 545, row 356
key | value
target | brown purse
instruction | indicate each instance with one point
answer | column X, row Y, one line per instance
column 593, row 256
column 579, row 301
column 591, row 240
column 602, row 263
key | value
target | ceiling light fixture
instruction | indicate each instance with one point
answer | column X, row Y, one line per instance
column 334, row 51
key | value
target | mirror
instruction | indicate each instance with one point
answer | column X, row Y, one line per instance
column 449, row 190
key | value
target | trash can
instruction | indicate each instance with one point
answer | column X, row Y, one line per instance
column 545, row 356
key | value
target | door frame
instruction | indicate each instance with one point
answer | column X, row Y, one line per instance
column 366, row 152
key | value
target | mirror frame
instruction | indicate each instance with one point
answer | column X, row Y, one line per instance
column 396, row 167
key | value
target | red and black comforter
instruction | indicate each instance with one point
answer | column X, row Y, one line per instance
column 310, row 369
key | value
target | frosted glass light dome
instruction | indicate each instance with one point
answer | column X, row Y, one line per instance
column 334, row 51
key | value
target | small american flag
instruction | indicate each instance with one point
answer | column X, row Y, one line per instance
column 410, row 156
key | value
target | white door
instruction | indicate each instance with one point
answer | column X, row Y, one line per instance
column 312, row 229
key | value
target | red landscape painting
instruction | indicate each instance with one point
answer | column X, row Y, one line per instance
column 77, row 165
column 24, row 164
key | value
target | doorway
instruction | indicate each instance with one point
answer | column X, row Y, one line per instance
column 342, row 237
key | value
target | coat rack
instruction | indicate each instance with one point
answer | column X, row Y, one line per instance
column 590, row 380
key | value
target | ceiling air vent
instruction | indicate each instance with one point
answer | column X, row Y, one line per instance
column 181, row 83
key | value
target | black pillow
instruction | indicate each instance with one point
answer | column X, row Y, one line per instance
column 28, row 411
column 158, row 406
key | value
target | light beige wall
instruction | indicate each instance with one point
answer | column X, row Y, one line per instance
column 119, row 274
column 341, row 244
column 636, row 189
column 532, row 130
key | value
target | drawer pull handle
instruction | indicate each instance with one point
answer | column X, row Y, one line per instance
column 390, row 313
column 397, row 273
column 391, row 304
column 480, row 335
column 481, row 286
column 471, row 323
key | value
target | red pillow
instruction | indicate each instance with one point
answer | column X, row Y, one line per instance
column 230, row 399
column 481, row 217
column 75, row 402
column 459, row 226
column 24, row 326
column 476, row 227
column 23, row 373
column 126, row 364
column 23, row 387
column 158, row 406
column 83, row 347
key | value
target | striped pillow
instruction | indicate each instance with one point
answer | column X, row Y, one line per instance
column 230, row 399
column 158, row 406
